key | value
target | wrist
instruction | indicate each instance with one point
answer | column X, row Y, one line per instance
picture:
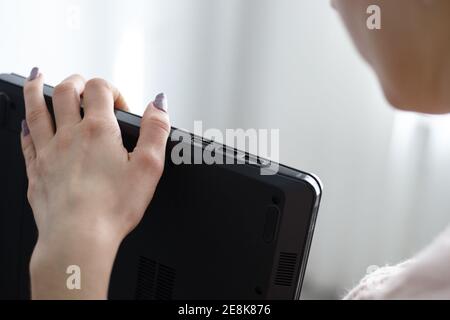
column 57, row 255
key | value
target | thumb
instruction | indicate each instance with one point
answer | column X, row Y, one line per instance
column 150, row 149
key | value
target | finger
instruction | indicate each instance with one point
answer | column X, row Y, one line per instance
column 28, row 150
column 155, row 129
column 119, row 100
column 100, row 98
column 38, row 118
column 67, row 99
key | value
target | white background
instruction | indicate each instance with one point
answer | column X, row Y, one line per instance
column 285, row 64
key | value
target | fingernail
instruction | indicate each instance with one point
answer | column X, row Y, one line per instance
column 25, row 129
column 33, row 74
column 161, row 102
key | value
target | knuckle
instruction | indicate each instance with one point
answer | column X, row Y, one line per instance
column 35, row 113
column 159, row 122
column 28, row 152
column 29, row 88
column 77, row 77
column 152, row 160
column 64, row 88
column 92, row 127
column 97, row 84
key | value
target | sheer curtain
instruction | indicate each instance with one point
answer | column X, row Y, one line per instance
column 284, row 64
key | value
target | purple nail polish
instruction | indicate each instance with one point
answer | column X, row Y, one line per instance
column 161, row 102
column 25, row 129
column 33, row 74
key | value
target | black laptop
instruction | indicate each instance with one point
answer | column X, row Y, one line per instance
column 222, row 231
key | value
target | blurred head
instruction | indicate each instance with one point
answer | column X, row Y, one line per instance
column 410, row 53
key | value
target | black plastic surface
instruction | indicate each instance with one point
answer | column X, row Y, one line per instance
column 211, row 231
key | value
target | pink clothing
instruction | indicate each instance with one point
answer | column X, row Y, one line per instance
column 426, row 276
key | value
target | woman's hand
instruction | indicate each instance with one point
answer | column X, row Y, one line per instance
column 86, row 191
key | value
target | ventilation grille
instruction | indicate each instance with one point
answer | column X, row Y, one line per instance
column 155, row 281
column 286, row 269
